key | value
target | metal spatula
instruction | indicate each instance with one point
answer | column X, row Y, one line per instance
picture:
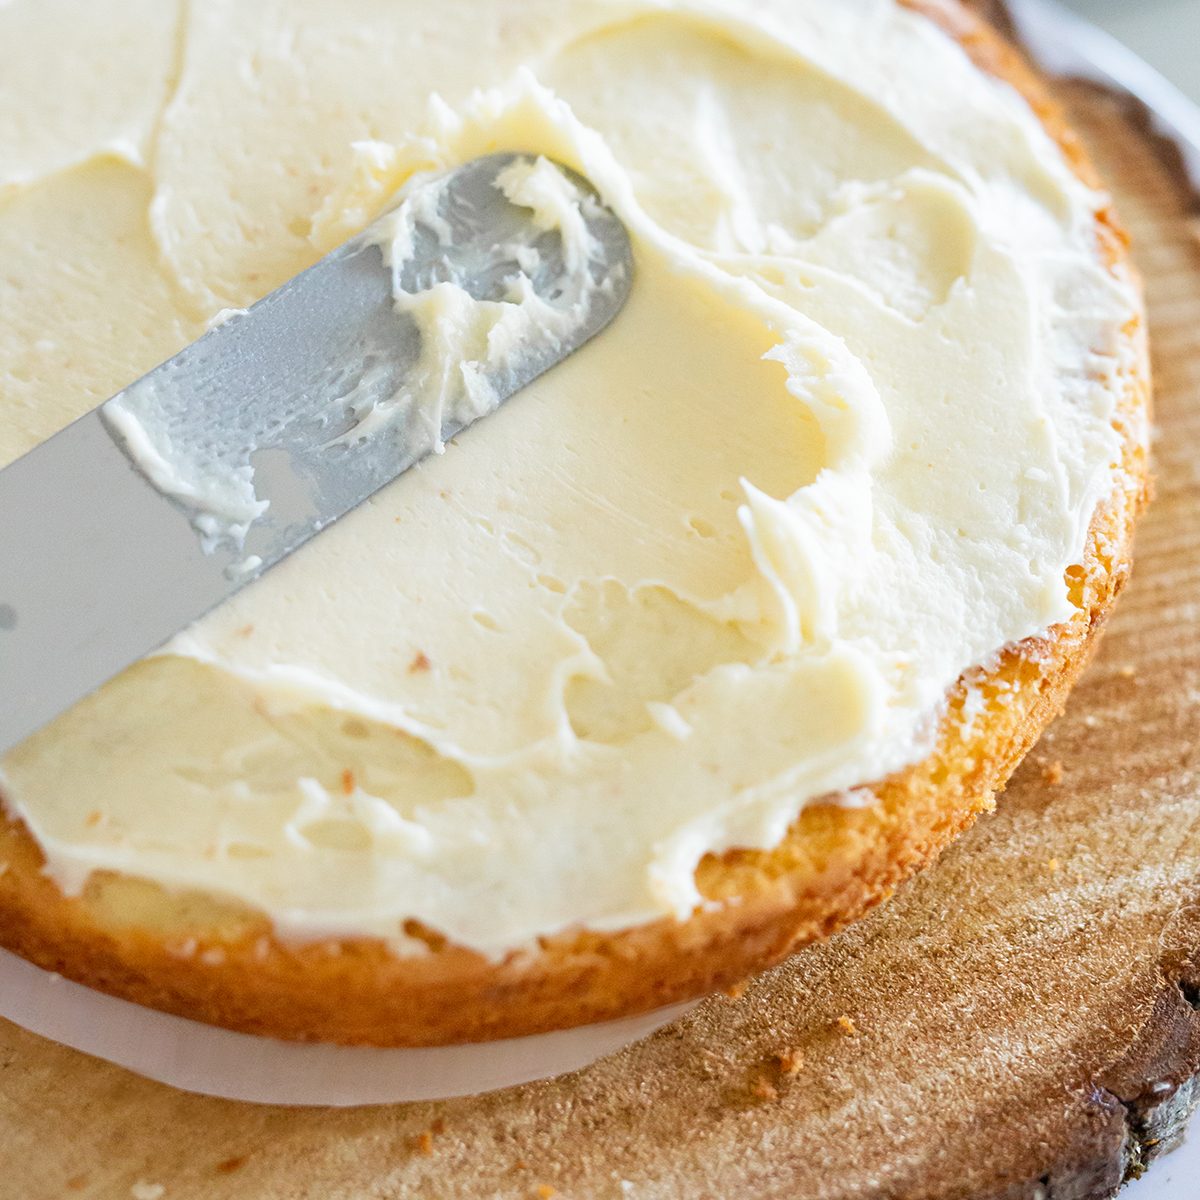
column 99, row 565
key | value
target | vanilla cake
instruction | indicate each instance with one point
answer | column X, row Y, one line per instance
column 697, row 648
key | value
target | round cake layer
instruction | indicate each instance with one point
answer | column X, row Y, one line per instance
column 842, row 497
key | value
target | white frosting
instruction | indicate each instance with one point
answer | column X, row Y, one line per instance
column 840, row 447
column 202, row 454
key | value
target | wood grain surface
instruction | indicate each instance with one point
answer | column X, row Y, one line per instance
column 1018, row 1023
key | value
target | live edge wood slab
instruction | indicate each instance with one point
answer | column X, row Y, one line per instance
column 1018, row 1024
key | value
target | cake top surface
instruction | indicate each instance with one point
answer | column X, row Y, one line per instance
column 839, row 448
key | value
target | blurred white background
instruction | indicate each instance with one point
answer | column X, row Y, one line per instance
column 1164, row 32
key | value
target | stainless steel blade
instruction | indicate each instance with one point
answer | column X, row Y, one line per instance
column 1064, row 43
column 98, row 567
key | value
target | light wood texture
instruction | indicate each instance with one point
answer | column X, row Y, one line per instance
column 1017, row 1022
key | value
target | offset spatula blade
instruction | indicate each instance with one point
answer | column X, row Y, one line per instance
column 104, row 557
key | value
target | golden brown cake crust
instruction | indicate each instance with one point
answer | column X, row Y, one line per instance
column 193, row 956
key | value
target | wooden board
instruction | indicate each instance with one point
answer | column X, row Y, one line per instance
column 1018, row 1023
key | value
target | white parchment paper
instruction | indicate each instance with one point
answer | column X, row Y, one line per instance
column 239, row 1066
